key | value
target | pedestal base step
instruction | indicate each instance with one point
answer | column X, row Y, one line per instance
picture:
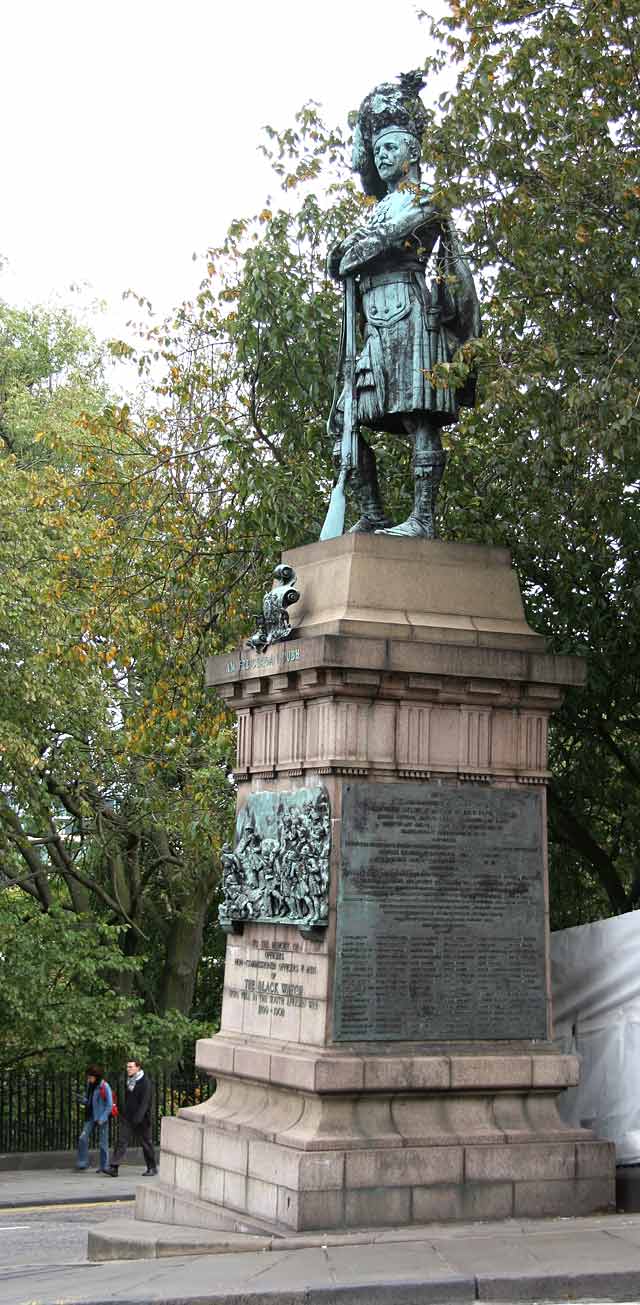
column 160, row 1203
column 258, row 1186
column 122, row 1239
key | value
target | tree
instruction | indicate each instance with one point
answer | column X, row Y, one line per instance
column 97, row 675
column 58, row 1002
column 137, row 542
column 537, row 149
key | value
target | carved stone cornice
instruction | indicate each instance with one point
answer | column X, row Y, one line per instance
column 351, row 706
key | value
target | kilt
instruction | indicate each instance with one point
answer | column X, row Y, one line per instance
column 404, row 337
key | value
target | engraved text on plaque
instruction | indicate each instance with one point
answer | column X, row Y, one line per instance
column 441, row 914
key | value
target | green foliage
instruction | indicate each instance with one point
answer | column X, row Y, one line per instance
column 111, row 805
column 249, row 369
column 58, row 1006
column 133, row 544
column 537, row 148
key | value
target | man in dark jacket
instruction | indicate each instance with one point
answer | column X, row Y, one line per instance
column 135, row 1118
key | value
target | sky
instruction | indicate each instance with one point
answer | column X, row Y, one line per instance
column 131, row 129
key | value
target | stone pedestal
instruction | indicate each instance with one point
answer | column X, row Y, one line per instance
column 396, row 1067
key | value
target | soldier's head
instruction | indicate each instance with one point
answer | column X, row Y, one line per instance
column 390, row 122
column 396, row 153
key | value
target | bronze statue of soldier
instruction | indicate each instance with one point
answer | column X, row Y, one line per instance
column 408, row 323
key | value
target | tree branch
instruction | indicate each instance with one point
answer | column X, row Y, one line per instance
column 38, row 874
column 574, row 833
column 629, row 764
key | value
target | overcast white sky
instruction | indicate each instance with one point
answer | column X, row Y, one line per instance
column 130, row 128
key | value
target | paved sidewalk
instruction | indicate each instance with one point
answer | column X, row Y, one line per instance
column 595, row 1258
column 540, row 1260
column 590, row 1259
column 28, row 1187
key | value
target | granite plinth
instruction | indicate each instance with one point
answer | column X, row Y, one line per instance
column 398, row 1067
column 381, row 707
column 403, row 697
column 417, row 589
column 403, row 1151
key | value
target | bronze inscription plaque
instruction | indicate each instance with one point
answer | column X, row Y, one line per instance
column 441, row 914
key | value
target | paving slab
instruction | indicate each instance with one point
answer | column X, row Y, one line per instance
column 540, row 1254
column 346, row 1267
column 129, row 1239
column 10, row 1161
column 303, row 1277
column 32, row 1187
column 625, row 1229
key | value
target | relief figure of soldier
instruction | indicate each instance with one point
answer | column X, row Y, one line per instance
column 416, row 303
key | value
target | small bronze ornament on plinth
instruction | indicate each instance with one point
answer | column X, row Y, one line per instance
column 274, row 625
column 409, row 324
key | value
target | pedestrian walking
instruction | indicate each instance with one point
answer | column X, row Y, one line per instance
column 135, row 1119
column 98, row 1102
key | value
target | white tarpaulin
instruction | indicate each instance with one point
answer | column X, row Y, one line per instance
column 596, row 1001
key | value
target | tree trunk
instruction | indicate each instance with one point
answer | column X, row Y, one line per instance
column 184, row 947
column 569, row 828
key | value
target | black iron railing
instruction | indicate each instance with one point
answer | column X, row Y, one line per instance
column 41, row 1112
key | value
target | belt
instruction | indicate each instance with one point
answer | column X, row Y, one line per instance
column 390, row 278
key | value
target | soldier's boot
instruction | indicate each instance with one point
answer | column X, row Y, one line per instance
column 428, row 467
column 363, row 482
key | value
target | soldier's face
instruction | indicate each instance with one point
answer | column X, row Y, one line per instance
column 393, row 155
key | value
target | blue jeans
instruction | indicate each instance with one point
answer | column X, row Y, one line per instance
column 84, row 1140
